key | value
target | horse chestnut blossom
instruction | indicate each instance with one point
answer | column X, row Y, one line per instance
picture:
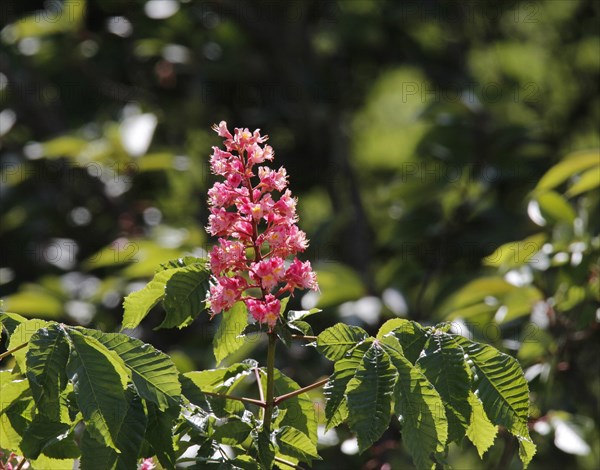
column 256, row 230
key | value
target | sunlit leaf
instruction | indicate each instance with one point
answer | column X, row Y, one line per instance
column 185, row 296
column 47, row 359
column 443, row 363
column 419, row 408
column 369, row 396
column 481, row 432
column 337, row 340
column 228, row 338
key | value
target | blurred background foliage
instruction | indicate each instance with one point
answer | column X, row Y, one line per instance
column 445, row 156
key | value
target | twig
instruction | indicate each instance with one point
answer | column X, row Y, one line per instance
column 13, row 350
column 285, row 462
column 251, row 401
column 21, row 463
column 281, row 398
column 307, row 338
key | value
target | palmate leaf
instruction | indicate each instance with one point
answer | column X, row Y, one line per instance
column 411, row 335
column 228, row 338
column 99, row 386
column 128, row 440
column 481, row 432
column 185, row 296
column 138, row 304
column 46, row 360
column 503, row 390
column 153, row 373
column 369, row 395
column 337, row 340
column 419, row 407
column 443, row 363
column 336, row 409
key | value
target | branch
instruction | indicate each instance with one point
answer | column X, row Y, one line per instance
column 251, row 401
column 13, row 350
column 281, row 398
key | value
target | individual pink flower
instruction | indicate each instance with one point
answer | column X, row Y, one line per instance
column 300, row 275
column 225, row 293
column 270, row 179
column 268, row 272
column 228, row 255
column 264, row 310
column 219, row 221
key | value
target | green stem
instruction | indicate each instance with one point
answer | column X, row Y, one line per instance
column 270, row 383
column 13, row 350
column 281, row 398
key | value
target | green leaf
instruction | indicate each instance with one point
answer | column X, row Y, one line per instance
column 10, row 321
column 369, row 395
column 527, row 450
column 16, row 408
column 99, row 386
column 181, row 263
column 265, row 449
column 566, row 168
column 185, row 296
column 153, row 373
column 21, row 335
column 296, row 444
column 419, row 407
column 411, row 336
column 128, row 440
column 42, row 433
column 230, row 431
column 481, row 432
column 300, row 410
column 295, row 315
column 337, row 340
column 587, row 181
column 159, row 433
column 555, row 208
column 220, row 381
column 502, row 388
column 510, row 255
column 443, row 363
column 228, row 338
column 138, row 304
column 336, row 409
column 47, row 359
